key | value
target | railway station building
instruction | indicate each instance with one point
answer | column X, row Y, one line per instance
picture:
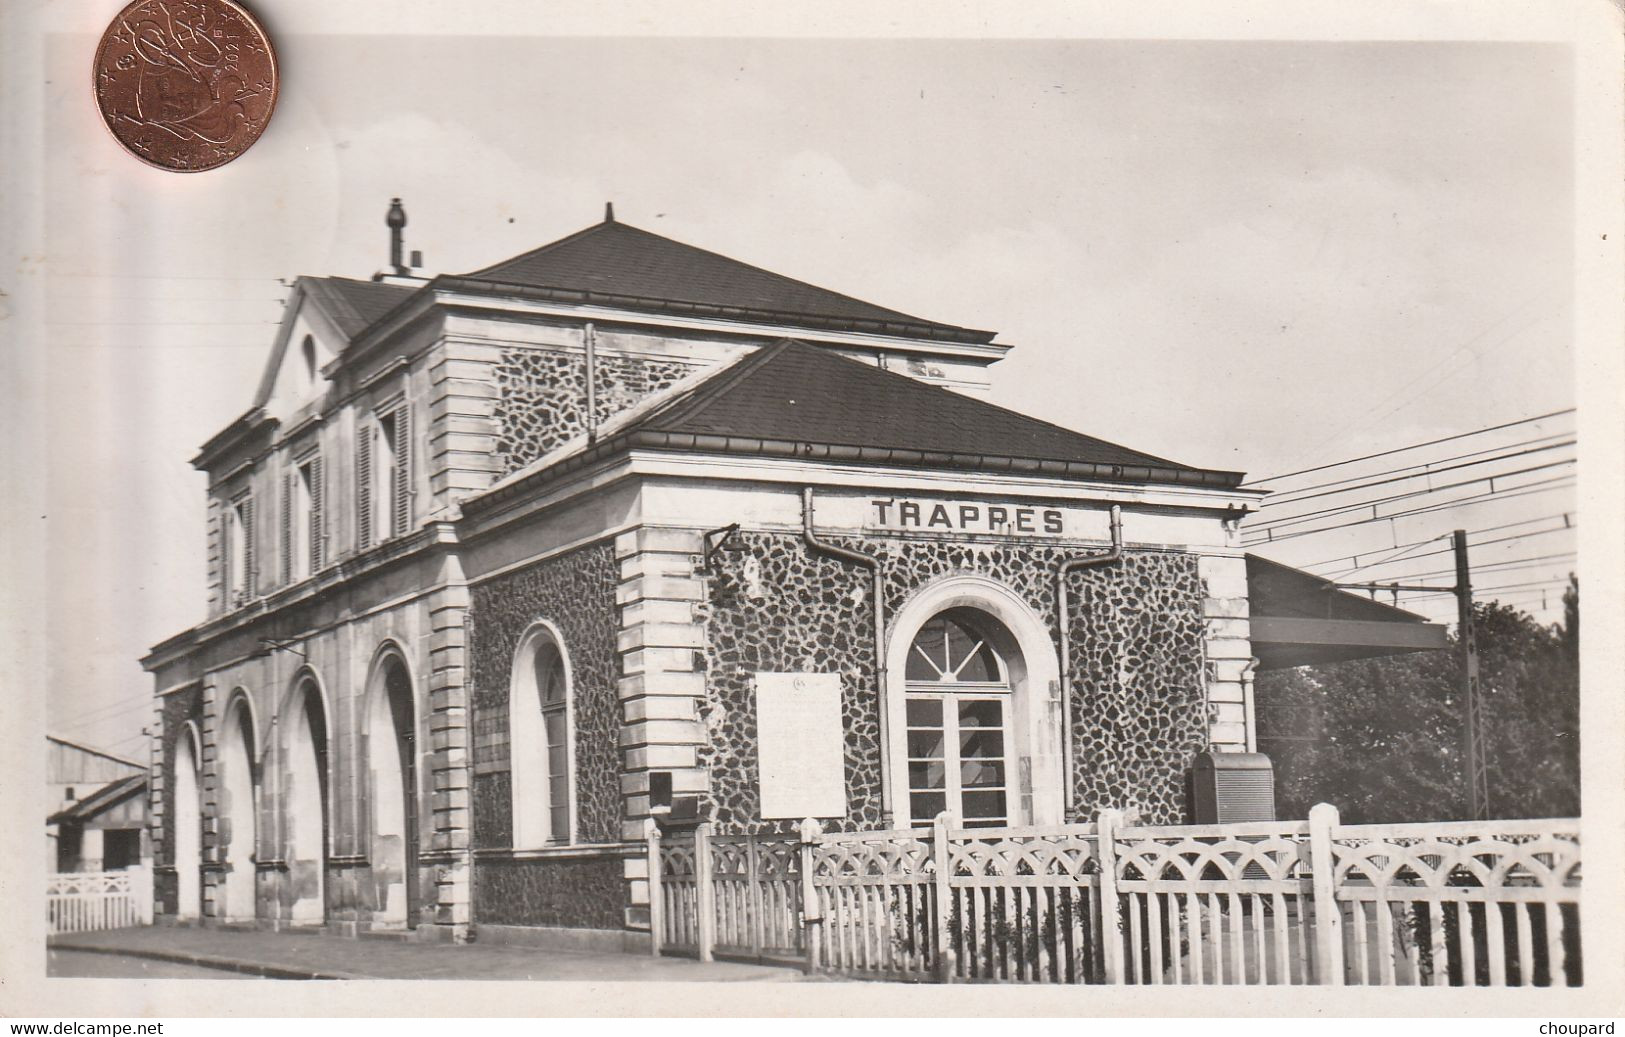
column 503, row 564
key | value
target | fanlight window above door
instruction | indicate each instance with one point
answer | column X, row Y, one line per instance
column 952, row 648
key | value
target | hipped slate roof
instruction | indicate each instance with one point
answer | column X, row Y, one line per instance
column 355, row 305
column 794, row 400
column 616, row 264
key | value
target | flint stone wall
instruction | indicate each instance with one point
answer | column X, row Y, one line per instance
column 1137, row 677
column 576, row 593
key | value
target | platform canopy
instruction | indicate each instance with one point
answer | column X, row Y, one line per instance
column 1299, row 619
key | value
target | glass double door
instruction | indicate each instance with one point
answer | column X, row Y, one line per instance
column 957, row 746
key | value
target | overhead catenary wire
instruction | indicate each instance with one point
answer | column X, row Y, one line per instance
column 1546, row 590
column 1420, row 468
column 1448, row 592
column 112, row 704
column 1413, row 446
column 1433, row 471
column 1506, row 493
column 1566, row 517
column 1506, row 566
column 1481, row 543
column 85, row 720
column 1497, row 497
column 1338, row 509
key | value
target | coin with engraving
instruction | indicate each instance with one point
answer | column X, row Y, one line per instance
column 185, row 85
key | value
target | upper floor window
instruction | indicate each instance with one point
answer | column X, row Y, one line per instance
column 307, row 352
column 384, row 476
column 304, row 520
column 239, row 550
column 539, row 733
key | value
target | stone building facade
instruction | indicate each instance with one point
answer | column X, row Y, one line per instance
column 503, row 564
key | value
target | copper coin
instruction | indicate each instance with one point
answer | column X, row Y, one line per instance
column 185, row 85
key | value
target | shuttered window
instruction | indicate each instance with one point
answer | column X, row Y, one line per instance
column 384, row 476
column 398, row 427
column 251, row 571
column 316, row 491
column 363, row 486
column 240, row 561
column 290, row 491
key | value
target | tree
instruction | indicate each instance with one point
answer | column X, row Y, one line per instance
column 1383, row 738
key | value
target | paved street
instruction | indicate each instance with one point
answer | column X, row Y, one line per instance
column 134, row 952
column 85, row 965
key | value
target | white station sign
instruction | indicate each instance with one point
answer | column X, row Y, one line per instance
column 800, row 745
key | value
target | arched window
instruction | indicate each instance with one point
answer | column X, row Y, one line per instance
column 959, row 712
column 307, row 350
column 540, row 726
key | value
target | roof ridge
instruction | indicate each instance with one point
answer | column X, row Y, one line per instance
column 550, row 246
column 786, row 277
column 813, row 298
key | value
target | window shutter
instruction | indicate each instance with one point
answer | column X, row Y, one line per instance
column 363, row 487
column 402, row 504
column 225, row 558
column 318, row 517
column 251, row 568
column 290, row 487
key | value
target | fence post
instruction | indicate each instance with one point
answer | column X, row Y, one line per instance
column 942, row 939
column 705, row 893
column 812, row 914
column 1111, row 942
column 757, row 903
column 657, row 905
column 141, row 892
column 1328, row 916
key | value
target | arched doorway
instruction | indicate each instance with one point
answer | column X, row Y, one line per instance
column 241, row 809
column 188, row 828
column 392, row 765
column 306, row 806
column 973, row 709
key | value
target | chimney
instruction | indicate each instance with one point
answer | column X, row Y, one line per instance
column 395, row 221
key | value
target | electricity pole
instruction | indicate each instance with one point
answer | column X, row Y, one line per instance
column 1478, row 776
column 1477, row 763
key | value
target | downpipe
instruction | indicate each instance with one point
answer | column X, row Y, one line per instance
column 872, row 563
column 1062, row 608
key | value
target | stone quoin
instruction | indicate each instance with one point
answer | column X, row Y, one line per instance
column 503, row 564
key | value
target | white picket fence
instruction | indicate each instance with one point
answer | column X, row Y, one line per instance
column 1295, row 902
column 83, row 901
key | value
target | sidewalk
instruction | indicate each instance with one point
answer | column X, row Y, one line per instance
column 284, row 955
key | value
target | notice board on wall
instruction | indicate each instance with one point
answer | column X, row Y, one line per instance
column 800, row 745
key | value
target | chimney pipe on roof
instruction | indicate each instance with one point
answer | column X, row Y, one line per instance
column 395, row 221
column 609, row 212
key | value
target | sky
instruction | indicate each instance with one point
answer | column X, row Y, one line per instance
column 1257, row 256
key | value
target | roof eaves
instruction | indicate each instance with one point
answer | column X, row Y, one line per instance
column 252, row 421
column 805, row 450
column 902, row 329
